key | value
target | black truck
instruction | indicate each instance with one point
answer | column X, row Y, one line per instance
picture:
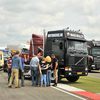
column 70, row 48
column 94, row 55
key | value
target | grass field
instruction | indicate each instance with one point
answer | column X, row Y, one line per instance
column 86, row 83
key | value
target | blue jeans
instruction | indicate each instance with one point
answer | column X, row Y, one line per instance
column 48, row 77
column 34, row 70
column 43, row 77
column 9, row 75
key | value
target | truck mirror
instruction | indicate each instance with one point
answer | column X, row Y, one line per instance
column 40, row 50
column 61, row 45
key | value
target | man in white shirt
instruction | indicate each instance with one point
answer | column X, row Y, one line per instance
column 34, row 66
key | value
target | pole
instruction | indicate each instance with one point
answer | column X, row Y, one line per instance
column 43, row 41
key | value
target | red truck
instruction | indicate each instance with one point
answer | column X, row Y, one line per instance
column 35, row 43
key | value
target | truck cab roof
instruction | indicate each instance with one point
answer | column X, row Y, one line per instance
column 75, row 35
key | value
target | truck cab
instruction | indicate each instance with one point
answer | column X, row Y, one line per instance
column 94, row 55
column 35, row 43
column 70, row 48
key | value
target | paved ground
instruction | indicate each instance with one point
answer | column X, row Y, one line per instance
column 94, row 73
column 33, row 93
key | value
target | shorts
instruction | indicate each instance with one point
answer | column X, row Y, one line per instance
column 56, row 74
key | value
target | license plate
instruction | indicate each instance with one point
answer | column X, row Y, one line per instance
column 79, row 73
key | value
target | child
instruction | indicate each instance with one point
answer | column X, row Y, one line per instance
column 43, row 71
column 48, row 60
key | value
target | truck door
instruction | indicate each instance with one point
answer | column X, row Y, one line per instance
column 58, row 48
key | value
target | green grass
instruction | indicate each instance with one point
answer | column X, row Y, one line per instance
column 86, row 83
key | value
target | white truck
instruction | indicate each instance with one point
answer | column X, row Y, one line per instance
column 1, row 59
column 21, row 47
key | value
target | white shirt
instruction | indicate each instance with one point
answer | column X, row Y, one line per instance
column 34, row 62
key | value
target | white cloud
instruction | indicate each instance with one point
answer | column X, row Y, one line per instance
column 91, row 33
column 32, row 30
column 94, row 21
column 52, row 20
column 20, row 18
column 3, row 36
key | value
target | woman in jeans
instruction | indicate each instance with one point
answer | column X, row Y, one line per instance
column 48, row 60
column 43, row 71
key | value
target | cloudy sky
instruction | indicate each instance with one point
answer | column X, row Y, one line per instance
column 19, row 19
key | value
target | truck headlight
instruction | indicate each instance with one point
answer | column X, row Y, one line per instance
column 86, row 73
column 86, row 68
column 70, row 73
column 70, row 69
column 93, row 65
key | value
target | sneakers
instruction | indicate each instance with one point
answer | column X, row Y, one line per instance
column 9, row 86
column 17, row 87
column 54, row 84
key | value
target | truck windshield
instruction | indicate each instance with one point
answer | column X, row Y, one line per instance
column 24, row 50
column 77, row 45
column 96, row 50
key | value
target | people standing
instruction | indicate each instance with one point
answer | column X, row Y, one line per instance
column 48, row 60
column 34, row 66
column 55, row 68
column 22, row 73
column 43, row 71
column 39, row 74
column 9, row 68
column 15, row 65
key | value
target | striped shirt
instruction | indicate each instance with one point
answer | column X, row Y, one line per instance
column 9, row 61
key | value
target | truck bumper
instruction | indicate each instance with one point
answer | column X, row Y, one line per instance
column 83, row 73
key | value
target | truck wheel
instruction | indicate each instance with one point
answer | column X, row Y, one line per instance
column 89, row 70
column 52, row 77
column 72, row 78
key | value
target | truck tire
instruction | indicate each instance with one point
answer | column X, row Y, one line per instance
column 72, row 78
column 89, row 70
column 52, row 78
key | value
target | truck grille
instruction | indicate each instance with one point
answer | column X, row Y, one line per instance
column 77, row 60
column 97, row 61
column 78, row 69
